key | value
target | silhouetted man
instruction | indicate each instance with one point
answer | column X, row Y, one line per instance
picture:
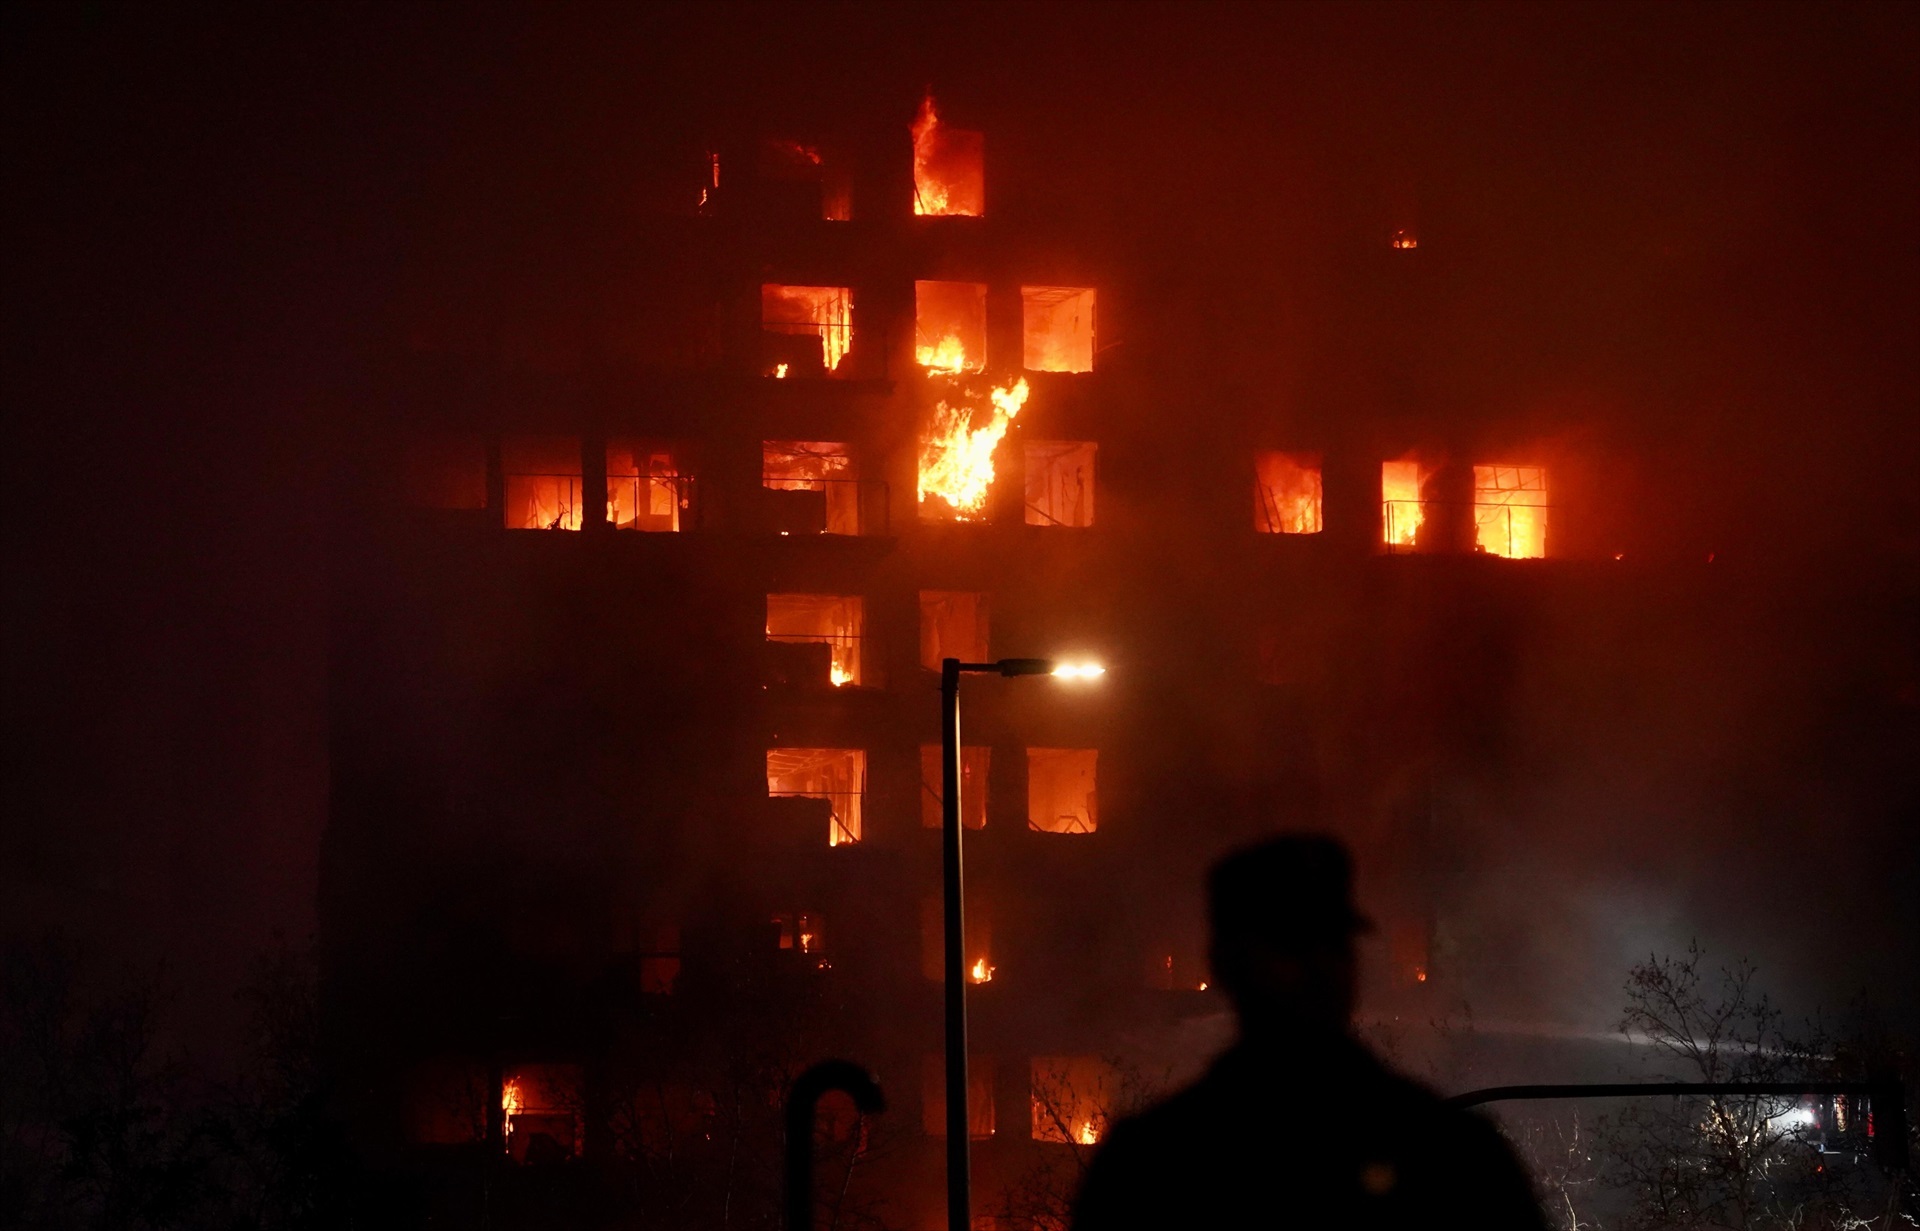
column 1298, row 1125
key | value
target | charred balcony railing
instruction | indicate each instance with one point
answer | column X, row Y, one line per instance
column 633, row 499
column 849, row 507
column 1511, row 531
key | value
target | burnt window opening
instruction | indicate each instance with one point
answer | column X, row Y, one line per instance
column 446, row 1102
column 445, row 472
column 808, row 330
column 542, row 482
column 542, row 1109
column 646, row 488
column 837, row 775
column 950, row 326
column 949, row 167
column 978, row 949
column 813, row 487
column 1286, row 493
column 1073, row 1098
column 1058, row 325
column 812, row 174
column 1403, row 503
column 659, row 956
column 833, row 623
column 956, row 470
column 1061, row 793
column 798, row 931
column 953, row 624
column 933, row 1096
column 974, row 763
column 1510, row 511
column 1060, row 482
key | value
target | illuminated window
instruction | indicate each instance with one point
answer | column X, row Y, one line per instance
column 949, row 167
column 1060, row 790
column 445, row 472
column 799, row 931
column 824, row 468
column 1058, row 328
column 811, row 168
column 979, row 946
column 819, row 317
column 833, row 621
column 447, row 1102
column 1402, row 502
column 933, row 1096
column 542, row 482
column 837, row 775
column 953, row 624
column 659, row 959
column 1286, row 493
column 950, row 326
column 543, row 1111
column 1060, row 482
column 645, row 487
column 973, row 786
column 1072, row 1098
column 956, row 454
column 1510, row 511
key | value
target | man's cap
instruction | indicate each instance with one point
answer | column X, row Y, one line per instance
column 1288, row 892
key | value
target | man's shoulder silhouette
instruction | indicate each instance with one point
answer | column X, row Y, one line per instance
column 1324, row 1136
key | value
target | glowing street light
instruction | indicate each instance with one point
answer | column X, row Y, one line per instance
column 959, row 1214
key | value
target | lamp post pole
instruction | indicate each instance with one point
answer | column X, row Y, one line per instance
column 953, row 886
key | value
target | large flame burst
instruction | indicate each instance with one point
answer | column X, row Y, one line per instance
column 956, row 458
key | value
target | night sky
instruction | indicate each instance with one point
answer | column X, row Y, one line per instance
column 1691, row 232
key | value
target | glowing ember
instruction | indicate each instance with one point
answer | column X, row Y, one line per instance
column 948, row 173
column 1400, row 500
column 956, row 458
column 779, row 371
column 1405, row 239
column 1419, row 974
column 982, row 973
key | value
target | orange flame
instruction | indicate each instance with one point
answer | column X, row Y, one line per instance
column 982, row 973
column 930, row 195
column 946, row 166
column 1400, row 497
column 956, row 458
column 840, row 675
column 1088, row 1134
column 779, row 371
column 950, row 355
column 511, row 1104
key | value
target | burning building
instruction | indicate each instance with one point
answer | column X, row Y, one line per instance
column 634, row 722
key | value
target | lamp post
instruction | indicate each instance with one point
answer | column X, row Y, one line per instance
column 953, row 884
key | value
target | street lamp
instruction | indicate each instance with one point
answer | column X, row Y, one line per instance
column 959, row 1216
